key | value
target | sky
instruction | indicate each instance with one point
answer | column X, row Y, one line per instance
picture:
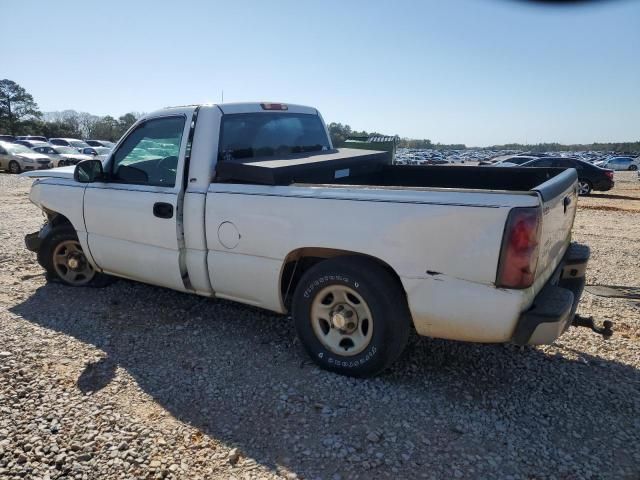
column 478, row 72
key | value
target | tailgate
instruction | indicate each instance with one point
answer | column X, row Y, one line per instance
column 559, row 203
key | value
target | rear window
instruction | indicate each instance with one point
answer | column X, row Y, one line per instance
column 255, row 135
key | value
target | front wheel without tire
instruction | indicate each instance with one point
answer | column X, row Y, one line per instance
column 351, row 316
column 62, row 257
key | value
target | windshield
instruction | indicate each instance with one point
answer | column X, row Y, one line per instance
column 79, row 143
column 17, row 148
column 250, row 135
column 70, row 150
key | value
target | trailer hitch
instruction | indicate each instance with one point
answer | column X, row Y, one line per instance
column 606, row 330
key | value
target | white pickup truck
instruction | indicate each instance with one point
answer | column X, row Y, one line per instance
column 250, row 202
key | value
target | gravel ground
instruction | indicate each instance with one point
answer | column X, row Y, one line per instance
column 134, row 381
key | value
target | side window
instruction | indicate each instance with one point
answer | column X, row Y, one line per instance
column 543, row 163
column 566, row 164
column 149, row 155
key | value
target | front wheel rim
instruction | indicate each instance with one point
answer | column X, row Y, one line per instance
column 14, row 167
column 341, row 320
column 71, row 264
column 583, row 188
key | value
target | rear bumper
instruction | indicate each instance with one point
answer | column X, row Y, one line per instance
column 604, row 185
column 555, row 306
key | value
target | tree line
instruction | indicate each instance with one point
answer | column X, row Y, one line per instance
column 20, row 115
column 622, row 147
column 340, row 132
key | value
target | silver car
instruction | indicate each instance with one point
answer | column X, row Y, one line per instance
column 69, row 142
column 619, row 163
column 62, row 156
column 17, row 158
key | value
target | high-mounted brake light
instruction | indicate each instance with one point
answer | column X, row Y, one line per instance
column 519, row 253
column 274, row 106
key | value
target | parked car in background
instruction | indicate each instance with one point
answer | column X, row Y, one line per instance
column 32, row 143
column 7, row 138
column 16, row 158
column 100, row 143
column 61, row 156
column 69, row 142
column 590, row 177
column 509, row 161
column 101, row 153
column 619, row 163
column 35, row 138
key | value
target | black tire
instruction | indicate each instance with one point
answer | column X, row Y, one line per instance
column 56, row 237
column 14, row 167
column 633, row 168
column 384, row 298
column 62, row 163
column 585, row 187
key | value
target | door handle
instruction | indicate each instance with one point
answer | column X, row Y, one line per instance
column 163, row 210
column 566, row 202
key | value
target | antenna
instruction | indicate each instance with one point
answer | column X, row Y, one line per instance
column 222, row 101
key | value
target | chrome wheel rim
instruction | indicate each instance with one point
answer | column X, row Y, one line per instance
column 341, row 320
column 70, row 263
column 583, row 188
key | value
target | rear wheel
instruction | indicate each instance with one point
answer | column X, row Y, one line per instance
column 351, row 316
column 62, row 163
column 633, row 167
column 584, row 187
column 14, row 167
column 61, row 255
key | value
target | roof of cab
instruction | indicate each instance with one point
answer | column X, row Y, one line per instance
column 241, row 107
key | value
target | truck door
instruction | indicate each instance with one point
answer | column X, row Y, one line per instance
column 132, row 217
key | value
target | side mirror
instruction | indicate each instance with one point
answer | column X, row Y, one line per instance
column 88, row 171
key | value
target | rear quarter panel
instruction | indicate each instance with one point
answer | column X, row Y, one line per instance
column 419, row 234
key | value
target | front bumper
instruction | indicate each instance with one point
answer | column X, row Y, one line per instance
column 33, row 241
column 555, row 306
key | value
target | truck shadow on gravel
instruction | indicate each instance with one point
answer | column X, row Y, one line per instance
column 239, row 375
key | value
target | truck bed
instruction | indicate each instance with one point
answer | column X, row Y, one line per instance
column 461, row 177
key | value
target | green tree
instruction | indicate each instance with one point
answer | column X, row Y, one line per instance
column 338, row 133
column 106, row 128
column 125, row 121
column 16, row 106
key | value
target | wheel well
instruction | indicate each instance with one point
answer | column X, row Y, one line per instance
column 57, row 219
column 301, row 260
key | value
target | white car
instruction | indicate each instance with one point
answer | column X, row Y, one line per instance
column 250, row 202
column 17, row 158
column 62, row 156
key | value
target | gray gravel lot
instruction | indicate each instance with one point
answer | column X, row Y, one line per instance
column 134, row 381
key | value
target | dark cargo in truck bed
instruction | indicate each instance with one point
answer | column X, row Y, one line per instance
column 315, row 167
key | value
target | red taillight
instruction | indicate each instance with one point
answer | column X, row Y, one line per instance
column 609, row 173
column 274, row 106
column 519, row 254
